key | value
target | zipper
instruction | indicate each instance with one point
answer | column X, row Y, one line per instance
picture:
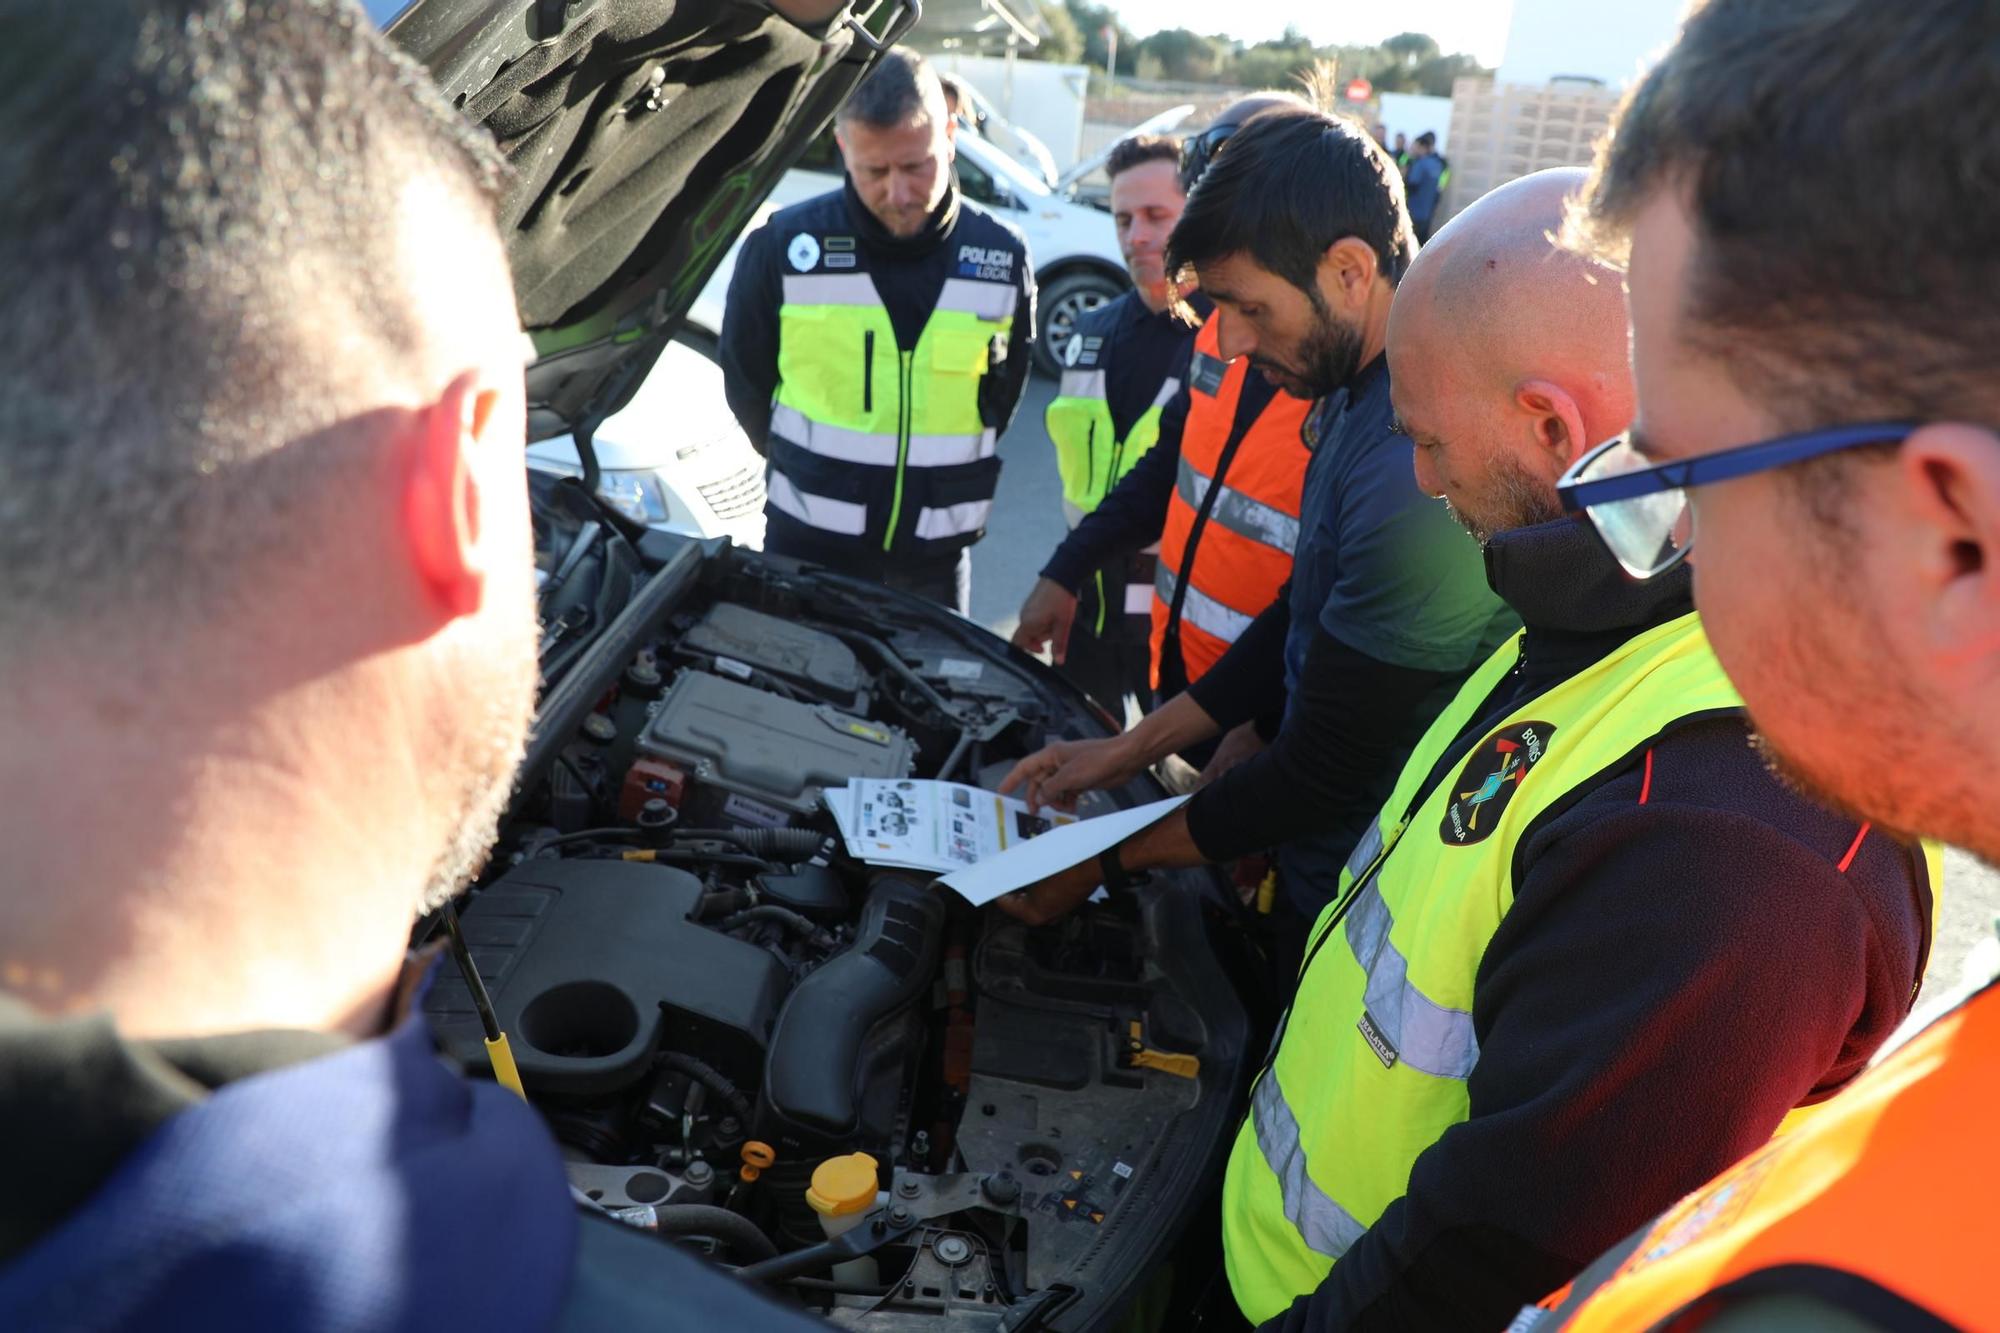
column 1090, row 459
column 902, row 444
column 868, row 371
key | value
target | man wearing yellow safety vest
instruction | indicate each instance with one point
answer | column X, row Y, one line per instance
column 1218, row 493
column 1591, row 949
column 1817, row 437
column 875, row 345
column 1120, row 392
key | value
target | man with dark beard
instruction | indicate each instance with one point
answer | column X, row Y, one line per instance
column 1590, row 949
column 1298, row 235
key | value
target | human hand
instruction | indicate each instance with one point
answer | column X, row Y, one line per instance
column 1046, row 618
column 1055, row 897
column 1056, row 774
column 1240, row 744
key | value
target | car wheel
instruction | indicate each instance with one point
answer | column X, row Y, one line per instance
column 1062, row 302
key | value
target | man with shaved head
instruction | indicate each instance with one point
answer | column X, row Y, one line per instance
column 1591, row 950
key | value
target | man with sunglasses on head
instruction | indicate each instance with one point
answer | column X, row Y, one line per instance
column 1224, row 428
column 1817, row 440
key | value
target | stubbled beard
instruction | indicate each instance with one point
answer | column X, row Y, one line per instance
column 1520, row 500
column 492, row 741
column 1328, row 358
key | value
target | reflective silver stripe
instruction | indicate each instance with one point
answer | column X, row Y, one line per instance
column 1081, row 384
column 817, row 511
column 1239, row 513
column 877, row 449
column 1428, row 1037
column 849, row 446
column 986, row 300
column 953, row 520
column 1201, row 610
column 1138, row 599
column 830, row 289
column 1325, row 1226
column 1168, row 388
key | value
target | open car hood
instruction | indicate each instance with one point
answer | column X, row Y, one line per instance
column 643, row 136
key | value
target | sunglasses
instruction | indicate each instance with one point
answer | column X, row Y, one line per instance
column 1640, row 508
column 1198, row 150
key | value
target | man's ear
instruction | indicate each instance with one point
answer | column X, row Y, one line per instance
column 441, row 496
column 1951, row 477
column 1556, row 420
column 1347, row 271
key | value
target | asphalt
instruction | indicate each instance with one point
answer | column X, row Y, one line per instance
column 1027, row 524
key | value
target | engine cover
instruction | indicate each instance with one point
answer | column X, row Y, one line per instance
column 593, row 966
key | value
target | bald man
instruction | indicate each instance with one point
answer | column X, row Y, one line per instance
column 1591, row 951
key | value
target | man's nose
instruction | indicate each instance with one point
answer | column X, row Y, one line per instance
column 1428, row 480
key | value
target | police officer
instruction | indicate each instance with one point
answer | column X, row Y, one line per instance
column 1120, row 392
column 875, row 345
column 1221, row 559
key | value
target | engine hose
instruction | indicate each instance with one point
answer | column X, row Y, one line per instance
column 779, row 844
column 713, row 1079
column 783, row 916
column 705, row 1219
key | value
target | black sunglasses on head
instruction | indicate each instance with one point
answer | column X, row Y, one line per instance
column 1198, row 150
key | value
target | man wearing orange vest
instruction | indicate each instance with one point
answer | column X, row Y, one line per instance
column 1222, row 562
column 1817, row 423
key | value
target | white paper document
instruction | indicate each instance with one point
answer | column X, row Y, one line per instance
column 1057, row 849
column 934, row 826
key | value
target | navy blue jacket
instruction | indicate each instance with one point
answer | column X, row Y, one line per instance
column 908, row 275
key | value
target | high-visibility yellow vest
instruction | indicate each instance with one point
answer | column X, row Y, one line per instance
column 1371, row 1064
column 848, row 395
column 1089, row 455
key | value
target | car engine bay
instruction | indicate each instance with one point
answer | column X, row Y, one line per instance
column 710, row 1002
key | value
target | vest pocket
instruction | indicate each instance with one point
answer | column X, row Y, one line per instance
column 960, row 351
column 868, row 371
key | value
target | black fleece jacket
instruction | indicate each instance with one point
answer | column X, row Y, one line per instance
column 1692, row 951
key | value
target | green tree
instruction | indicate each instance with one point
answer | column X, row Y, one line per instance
column 1436, row 75
column 1411, row 49
column 1064, row 44
column 1090, row 21
column 1185, row 56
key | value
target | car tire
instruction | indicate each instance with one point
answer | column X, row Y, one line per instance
column 1058, row 306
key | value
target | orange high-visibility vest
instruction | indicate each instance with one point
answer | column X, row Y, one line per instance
column 1243, row 554
column 1890, row 1196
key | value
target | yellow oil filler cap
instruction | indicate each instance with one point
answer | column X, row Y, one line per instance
column 843, row 1186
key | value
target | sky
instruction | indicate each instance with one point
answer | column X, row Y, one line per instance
column 1478, row 27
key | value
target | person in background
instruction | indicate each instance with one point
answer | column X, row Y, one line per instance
column 1125, row 371
column 1424, row 182
column 1817, row 439
column 252, row 259
column 875, row 345
column 1299, row 237
column 1218, row 493
column 956, row 104
column 1401, row 153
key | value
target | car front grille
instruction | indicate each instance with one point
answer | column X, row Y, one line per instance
column 738, row 494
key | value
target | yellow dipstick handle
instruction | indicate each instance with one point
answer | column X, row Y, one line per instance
column 502, row 1056
column 1167, row 1062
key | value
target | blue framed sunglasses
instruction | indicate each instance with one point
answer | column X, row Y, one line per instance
column 1640, row 509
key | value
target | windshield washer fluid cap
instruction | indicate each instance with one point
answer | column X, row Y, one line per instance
column 769, row 748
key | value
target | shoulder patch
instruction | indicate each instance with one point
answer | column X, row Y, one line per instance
column 803, row 252
column 989, row 263
column 1489, row 780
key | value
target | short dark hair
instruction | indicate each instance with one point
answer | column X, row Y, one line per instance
column 902, row 87
column 1287, row 185
column 1137, row 150
column 953, row 88
column 191, row 193
column 1427, row 139
column 1845, row 270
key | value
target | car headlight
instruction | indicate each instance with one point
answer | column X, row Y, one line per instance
column 637, row 495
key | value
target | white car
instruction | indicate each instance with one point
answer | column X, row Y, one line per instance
column 674, row 456
column 1072, row 244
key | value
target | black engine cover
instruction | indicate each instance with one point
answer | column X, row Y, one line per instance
column 594, row 966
